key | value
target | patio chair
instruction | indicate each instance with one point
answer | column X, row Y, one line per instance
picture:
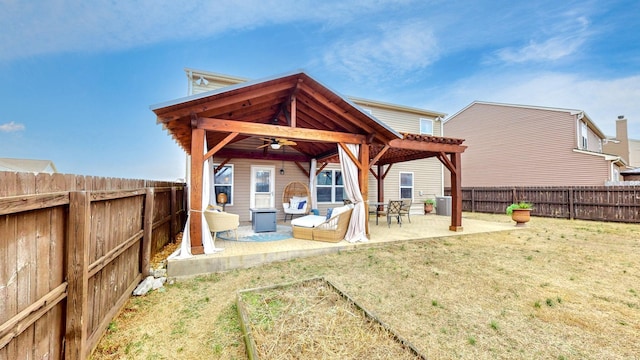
column 295, row 199
column 313, row 227
column 219, row 220
column 393, row 210
column 406, row 208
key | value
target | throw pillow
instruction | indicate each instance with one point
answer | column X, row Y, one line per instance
column 301, row 205
column 329, row 211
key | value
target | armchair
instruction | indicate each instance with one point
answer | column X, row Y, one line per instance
column 219, row 220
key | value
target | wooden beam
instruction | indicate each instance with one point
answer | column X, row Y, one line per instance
column 249, row 128
column 222, row 164
column 220, row 145
column 321, row 168
column 353, row 158
column 444, row 160
column 384, row 175
column 195, row 198
column 373, row 173
column 294, row 111
column 456, row 193
column 384, row 150
column 363, row 178
column 257, row 154
column 426, row 146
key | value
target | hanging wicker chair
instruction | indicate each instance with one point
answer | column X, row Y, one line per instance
column 293, row 194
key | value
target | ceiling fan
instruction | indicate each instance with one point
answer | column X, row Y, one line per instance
column 276, row 143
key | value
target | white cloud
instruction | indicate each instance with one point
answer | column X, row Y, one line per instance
column 41, row 27
column 11, row 127
column 602, row 99
column 394, row 50
column 568, row 37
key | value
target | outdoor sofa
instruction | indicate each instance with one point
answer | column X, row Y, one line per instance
column 321, row 228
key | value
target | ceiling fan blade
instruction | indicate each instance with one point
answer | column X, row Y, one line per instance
column 265, row 139
column 288, row 142
column 261, row 146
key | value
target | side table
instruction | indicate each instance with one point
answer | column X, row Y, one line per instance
column 263, row 220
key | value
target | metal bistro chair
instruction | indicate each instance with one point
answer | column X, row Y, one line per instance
column 393, row 210
column 406, row 208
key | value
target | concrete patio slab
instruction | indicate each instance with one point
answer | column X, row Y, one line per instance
column 238, row 255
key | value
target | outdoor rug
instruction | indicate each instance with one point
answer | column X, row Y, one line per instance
column 245, row 233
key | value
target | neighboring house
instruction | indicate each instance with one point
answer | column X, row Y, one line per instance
column 416, row 180
column 27, row 165
column 518, row 145
column 621, row 145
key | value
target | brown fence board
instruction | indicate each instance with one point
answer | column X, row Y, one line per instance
column 604, row 203
column 40, row 228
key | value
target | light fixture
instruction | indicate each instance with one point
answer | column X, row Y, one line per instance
column 275, row 145
column 202, row 81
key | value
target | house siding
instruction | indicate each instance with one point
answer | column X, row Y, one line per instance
column 519, row 146
column 427, row 173
column 634, row 153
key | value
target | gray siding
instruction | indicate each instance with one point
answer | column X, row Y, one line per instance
column 518, row 146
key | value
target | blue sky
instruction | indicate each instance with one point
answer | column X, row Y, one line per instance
column 77, row 77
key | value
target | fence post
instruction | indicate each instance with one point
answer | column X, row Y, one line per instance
column 514, row 196
column 78, row 275
column 473, row 200
column 173, row 206
column 571, row 203
column 149, row 201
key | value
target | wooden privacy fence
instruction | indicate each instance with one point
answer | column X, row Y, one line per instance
column 602, row 203
column 72, row 249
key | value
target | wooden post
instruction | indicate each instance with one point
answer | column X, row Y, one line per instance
column 173, row 206
column 473, row 200
column 456, row 193
column 363, row 174
column 571, row 209
column 147, row 236
column 77, row 275
column 195, row 199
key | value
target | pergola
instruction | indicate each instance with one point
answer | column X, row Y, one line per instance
column 295, row 106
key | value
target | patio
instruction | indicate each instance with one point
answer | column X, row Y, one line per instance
column 238, row 255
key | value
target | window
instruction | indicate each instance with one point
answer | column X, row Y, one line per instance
column 426, row 126
column 330, row 187
column 223, row 182
column 406, row 185
column 584, row 136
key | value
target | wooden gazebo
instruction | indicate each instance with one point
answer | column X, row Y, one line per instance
column 297, row 107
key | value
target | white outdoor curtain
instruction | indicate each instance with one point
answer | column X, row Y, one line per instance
column 207, row 240
column 357, row 229
column 312, row 183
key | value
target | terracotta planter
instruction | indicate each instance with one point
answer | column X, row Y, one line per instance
column 428, row 208
column 521, row 216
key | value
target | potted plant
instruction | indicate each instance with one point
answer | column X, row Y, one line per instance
column 428, row 205
column 520, row 212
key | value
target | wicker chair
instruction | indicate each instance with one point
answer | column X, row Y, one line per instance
column 219, row 220
column 332, row 230
column 295, row 190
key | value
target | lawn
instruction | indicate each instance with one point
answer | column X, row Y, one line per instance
column 558, row 289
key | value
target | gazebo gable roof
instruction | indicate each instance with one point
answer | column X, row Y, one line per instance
column 287, row 104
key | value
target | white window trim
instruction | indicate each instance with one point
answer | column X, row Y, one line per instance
column 429, row 120
column 232, row 186
column 332, row 186
column 412, row 186
column 584, row 136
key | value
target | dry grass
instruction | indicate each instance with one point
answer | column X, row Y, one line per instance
column 312, row 320
column 557, row 290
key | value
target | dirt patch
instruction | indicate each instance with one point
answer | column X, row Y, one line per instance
column 559, row 289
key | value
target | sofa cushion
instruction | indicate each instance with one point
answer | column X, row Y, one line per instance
column 308, row 221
